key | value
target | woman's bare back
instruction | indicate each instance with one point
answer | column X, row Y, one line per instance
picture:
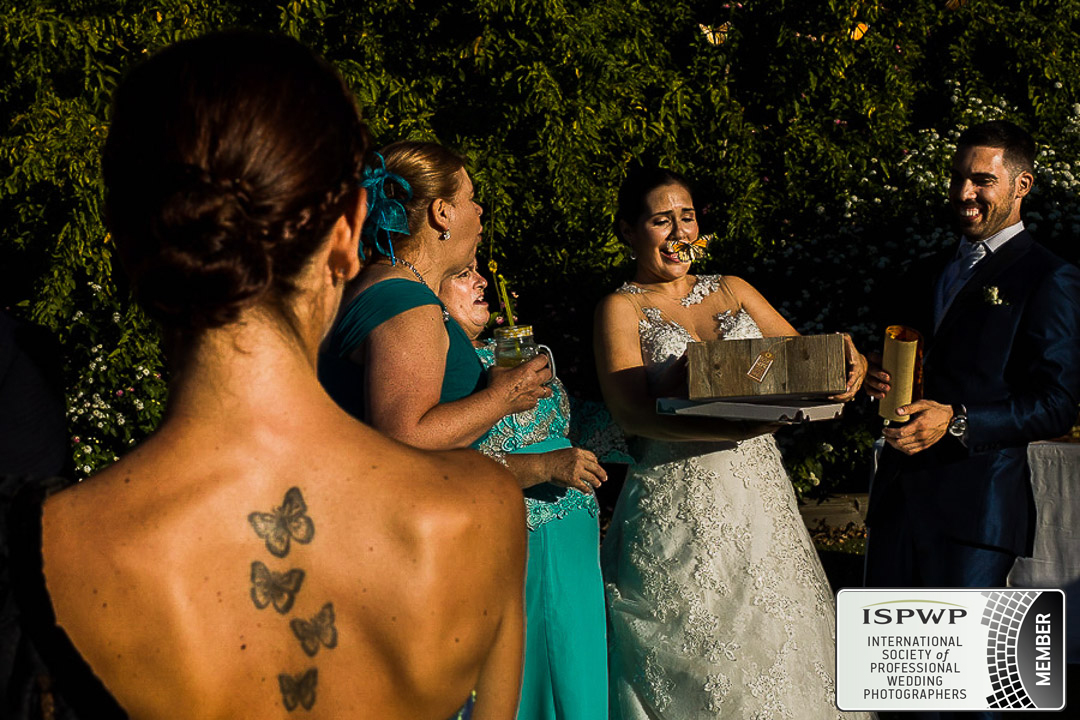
column 319, row 567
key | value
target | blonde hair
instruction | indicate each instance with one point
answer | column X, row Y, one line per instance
column 431, row 171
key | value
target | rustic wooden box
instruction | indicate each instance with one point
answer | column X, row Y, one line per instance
column 806, row 366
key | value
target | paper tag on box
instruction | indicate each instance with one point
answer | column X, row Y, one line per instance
column 761, row 366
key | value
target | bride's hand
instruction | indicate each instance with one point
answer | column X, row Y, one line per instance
column 857, row 365
column 520, row 388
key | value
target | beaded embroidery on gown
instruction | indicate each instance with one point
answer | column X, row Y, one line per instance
column 718, row 605
column 542, row 429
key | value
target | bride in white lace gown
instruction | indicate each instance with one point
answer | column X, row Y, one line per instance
column 718, row 605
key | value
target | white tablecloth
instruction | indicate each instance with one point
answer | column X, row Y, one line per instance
column 1055, row 562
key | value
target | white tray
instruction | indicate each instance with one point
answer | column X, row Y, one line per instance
column 783, row 411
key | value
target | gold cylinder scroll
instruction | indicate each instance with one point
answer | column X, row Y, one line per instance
column 902, row 359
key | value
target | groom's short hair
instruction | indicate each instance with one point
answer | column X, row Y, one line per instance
column 1019, row 146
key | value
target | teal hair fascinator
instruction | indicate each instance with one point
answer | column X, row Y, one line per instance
column 385, row 214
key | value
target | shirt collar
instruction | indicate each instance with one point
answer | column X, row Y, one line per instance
column 996, row 241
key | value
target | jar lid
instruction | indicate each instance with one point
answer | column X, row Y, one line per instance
column 513, row 332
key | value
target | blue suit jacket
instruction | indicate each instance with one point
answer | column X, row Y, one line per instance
column 1015, row 366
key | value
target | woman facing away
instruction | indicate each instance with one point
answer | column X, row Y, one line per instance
column 565, row 676
column 395, row 357
column 262, row 552
column 718, row 603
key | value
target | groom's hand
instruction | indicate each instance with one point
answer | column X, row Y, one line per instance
column 928, row 424
column 876, row 384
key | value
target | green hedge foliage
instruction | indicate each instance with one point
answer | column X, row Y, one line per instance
column 819, row 133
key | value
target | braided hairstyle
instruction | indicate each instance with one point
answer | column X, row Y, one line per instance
column 228, row 160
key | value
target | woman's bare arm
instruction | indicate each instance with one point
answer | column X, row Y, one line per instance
column 569, row 467
column 404, row 360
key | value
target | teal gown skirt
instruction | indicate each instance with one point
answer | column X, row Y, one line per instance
column 565, row 674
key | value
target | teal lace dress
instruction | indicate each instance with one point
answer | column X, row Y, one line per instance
column 344, row 380
column 565, row 636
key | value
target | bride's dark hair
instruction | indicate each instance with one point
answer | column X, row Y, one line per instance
column 228, row 160
column 639, row 182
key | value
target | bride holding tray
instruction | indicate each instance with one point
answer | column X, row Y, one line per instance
column 718, row 604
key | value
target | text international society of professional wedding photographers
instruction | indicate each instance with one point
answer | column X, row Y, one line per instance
column 950, row 649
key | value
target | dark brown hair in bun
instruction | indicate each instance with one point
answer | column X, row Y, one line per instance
column 639, row 182
column 228, row 160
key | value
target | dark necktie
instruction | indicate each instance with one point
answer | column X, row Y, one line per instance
column 959, row 272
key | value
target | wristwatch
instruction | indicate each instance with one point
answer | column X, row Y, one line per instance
column 959, row 424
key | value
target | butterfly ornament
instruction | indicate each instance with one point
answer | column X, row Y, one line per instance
column 688, row 250
column 283, row 524
column 715, row 34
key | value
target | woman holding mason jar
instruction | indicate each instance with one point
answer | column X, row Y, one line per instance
column 395, row 358
column 565, row 676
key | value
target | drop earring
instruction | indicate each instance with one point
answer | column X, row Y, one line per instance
column 444, row 235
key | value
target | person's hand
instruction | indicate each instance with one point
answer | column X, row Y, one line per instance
column 928, row 424
column 877, row 380
column 521, row 387
column 575, row 468
column 857, row 366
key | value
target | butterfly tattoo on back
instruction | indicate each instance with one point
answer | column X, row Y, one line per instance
column 280, row 589
column 319, row 631
column 299, row 690
column 283, row 524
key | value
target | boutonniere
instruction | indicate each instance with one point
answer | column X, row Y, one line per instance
column 992, row 295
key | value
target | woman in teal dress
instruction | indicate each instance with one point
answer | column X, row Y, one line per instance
column 565, row 674
column 394, row 357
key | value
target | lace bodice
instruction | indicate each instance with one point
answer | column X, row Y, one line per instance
column 704, row 286
column 663, row 341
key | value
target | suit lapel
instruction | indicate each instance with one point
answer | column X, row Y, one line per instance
column 918, row 296
column 985, row 272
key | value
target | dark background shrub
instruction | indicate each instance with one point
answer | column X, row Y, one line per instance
column 819, row 133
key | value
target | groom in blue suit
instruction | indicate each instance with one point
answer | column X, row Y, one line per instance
column 951, row 503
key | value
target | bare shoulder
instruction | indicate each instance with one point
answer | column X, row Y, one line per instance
column 420, row 496
column 740, row 288
column 615, row 309
column 473, row 494
column 418, row 320
column 747, row 296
